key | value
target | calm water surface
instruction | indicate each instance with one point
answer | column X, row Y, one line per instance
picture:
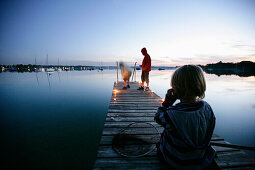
column 56, row 121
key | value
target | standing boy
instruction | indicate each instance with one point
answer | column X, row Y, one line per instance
column 146, row 68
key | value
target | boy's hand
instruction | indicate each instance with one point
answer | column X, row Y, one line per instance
column 170, row 98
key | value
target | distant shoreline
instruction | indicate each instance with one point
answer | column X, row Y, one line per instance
column 242, row 69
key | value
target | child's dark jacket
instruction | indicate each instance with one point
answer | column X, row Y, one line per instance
column 185, row 141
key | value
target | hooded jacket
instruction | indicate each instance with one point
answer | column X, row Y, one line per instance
column 146, row 65
column 185, row 141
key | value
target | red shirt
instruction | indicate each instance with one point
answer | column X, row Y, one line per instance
column 146, row 66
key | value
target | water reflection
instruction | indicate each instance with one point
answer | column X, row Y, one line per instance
column 61, row 125
column 64, row 124
column 230, row 72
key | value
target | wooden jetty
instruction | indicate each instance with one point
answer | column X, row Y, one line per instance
column 132, row 105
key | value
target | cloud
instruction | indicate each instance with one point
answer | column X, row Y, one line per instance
column 243, row 46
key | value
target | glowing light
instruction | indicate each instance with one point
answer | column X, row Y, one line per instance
column 115, row 91
column 163, row 100
column 114, row 99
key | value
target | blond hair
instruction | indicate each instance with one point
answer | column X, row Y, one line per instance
column 189, row 82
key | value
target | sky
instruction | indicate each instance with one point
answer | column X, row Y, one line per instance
column 101, row 32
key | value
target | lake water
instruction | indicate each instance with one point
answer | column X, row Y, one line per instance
column 55, row 121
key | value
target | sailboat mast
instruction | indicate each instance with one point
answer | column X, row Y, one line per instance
column 47, row 59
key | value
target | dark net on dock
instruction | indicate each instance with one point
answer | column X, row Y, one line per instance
column 136, row 140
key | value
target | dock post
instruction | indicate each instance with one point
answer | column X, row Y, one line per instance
column 117, row 72
column 135, row 71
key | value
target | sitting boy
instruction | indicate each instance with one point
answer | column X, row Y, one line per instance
column 188, row 125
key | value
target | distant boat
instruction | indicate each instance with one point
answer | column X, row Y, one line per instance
column 50, row 70
column 12, row 69
column 161, row 69
column 59, row 69
column 37, row 70
column 101, row 66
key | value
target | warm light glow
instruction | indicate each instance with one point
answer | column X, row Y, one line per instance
column 114, row 99
column 115, row 91
column 163, row 100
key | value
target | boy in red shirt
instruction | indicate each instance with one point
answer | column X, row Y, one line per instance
column 146, row 68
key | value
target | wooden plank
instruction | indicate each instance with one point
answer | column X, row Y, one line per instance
column 125, row 124
column 108, row 152
column 134, row 131
column 128, row 163
column 131, row 114
column 251, row 167
column 131, row 111
column 234, row 159
column 107, row 140
column 129, row 119
column 135, row 104
column 140, row 95
column 234, row 146
column 133, row 107
column 140, row 99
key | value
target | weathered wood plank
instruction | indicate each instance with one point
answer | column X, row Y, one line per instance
column 134, row 131
column 131, row 111
column 107, row 151
column 135, row 104
column 251, row 167
column 131, row 114
column 127, row 163
column 123, row 107
column 234, row 159
column 107, row 140
column 131, row 99
column 129, row 119
column 125, row 124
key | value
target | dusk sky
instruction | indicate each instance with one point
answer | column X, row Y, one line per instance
column 101, row 32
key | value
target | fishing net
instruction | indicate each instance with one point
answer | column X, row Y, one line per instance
column 136, row 140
